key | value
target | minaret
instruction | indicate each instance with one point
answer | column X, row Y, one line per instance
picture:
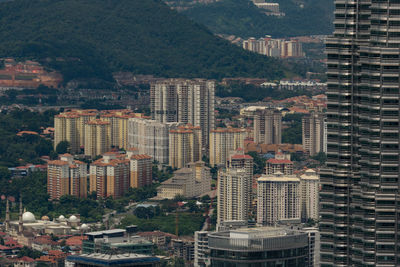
column 7, row 222
column 20, row 224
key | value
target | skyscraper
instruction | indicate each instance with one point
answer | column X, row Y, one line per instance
column 186, row 101
column 360, row 187
column 313, row 133
column 268, row 126
column 184, row 146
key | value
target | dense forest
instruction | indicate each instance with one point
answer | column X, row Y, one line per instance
column 242, row 18
column 94, row 38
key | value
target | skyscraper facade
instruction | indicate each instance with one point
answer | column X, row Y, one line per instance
column 360, row 186
column 186, row 101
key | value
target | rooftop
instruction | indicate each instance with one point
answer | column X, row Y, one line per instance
column 125, row 259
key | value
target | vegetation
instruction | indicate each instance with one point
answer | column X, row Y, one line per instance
column 259, row 162
column 188, row 223
column 250, row 92
column 28, row 148
column 242, row 18
column 293, row 134
column 94, row 38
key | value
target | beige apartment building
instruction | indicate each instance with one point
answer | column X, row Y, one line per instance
column 185, row 101
column 66, row 129
column 66, row 176
column 223, row 141
column 184, row 146
column 109, row 176
column 140, row 170
column 309, row 183
column 233, row 193
column 281, row 163
column 314, row 133
column 278, row 198
column 97, row 138
column 191, row 181
column 268, row 126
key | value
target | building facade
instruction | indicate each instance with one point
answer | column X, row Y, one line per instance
column 97, row 138
column 184, row 146
column 141, row 170
column 66, row 176
column 278, row 198
column 309, row 183
column 268, row 126
column 223, row 141
column 313, row 133
column 281, row 163
column 186, row 101
column 360, row 189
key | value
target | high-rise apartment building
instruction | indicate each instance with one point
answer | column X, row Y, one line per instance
column 360, row 187
column 151, row 137
column 184, row 146
column 268, row 126
column 141, row 170
column 186, row 101
column 309, row 186
column 233, row 193
column 281, row 163
column 66, row 176
column 109, row 176
column 97, row 138
column 66, row 129
column 314, row 133
column 278, row 198
column 223, row 141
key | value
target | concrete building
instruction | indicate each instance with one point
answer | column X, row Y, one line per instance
column 281, row 163
column 223, row 141
column 97, row 138
column 66, row 176
column 109, row 176
column 122, row 260
column 184, row 249
column 151, row 138
column 233, row 195
column 309, row 183
column 278, row 198
column 186, row 101
column 268, row 126
column 141, row 170
column 201, row 250
column 313, row 133
column 261, row 246
column 66, row 129
column 192, row 181
column 274, row 47
column 314, row 244
column 184, row 146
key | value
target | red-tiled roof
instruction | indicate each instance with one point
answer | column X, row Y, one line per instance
column 279, row 161
column 241, row 157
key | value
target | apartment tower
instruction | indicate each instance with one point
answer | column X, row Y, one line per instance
column 184, row 146
column 141, row 170
column 360, row 207
column 313, row 133
column 309, row 186
column 186, row 101
column 268, row 126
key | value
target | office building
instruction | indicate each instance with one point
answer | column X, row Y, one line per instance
column 268, row 126
column 191, row 181
column 66, row 176
column 313, row 133
column 309, row 184
column 360, row 186
column 281, row 163
column 201, row 250
column 278, row 198
column 184, row 146
column 187, row 101
column 109, row 176
column 261, row 246
column 151, row 137
column 223, row 141
column 141, row 170
column 233, row 195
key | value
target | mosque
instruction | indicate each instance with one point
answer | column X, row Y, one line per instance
column 27, row 227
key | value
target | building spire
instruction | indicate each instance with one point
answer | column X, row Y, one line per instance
column 20, row 224
column 7, row 222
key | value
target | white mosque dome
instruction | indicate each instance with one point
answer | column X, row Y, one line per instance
column 61, row 218
column 84, row 226
column 28, row 217
column 73, row 218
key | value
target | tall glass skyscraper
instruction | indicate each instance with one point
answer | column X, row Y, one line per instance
column 360, row 201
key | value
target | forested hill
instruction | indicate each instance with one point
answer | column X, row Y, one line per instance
column 93, row 38
column 242, row 18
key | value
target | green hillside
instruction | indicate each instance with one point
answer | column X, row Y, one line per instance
column 242, row 18
column 93, row 38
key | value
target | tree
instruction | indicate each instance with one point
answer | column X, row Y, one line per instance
column 62, row 147
column 259, row 162
column 5, row 174
column 321, row 157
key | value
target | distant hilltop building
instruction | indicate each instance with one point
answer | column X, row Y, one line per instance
column 185, row 101
column 271, row 9
column 28, row 74
column 274, row 47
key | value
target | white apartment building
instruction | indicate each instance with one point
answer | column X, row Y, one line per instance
column 201, row 250
column 223, row 141
column 309, row 183
column 278, row 198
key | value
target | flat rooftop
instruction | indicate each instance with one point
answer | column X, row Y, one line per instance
column 126, row 259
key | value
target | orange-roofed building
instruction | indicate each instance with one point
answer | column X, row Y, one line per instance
column 281, row 163
column 140, row 170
